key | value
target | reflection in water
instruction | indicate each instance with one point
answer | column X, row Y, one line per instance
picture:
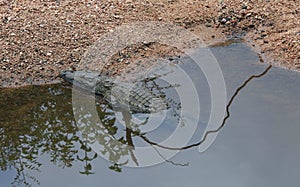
column 39, row 120
column 223, row 122
column 35, row 121
column 115, row 140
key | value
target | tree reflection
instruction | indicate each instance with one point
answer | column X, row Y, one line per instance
column 39, row 120
column 34, row 122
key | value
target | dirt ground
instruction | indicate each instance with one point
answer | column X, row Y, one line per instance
column 39, row 38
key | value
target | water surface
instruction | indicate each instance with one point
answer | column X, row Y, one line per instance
column 259, row 145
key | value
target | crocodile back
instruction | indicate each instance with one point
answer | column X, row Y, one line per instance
column 120, row 95
column 137, row 98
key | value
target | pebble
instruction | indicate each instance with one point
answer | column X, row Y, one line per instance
column 208, row 24
column 248, row 14
column 5, row 60
column 223, row 20
column 29, row 80
column 120, row 60
column 263, row 35
column 118, row 17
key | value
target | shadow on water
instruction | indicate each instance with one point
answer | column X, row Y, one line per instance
column 39, row 120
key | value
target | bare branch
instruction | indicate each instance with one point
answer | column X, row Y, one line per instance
column 224, row 119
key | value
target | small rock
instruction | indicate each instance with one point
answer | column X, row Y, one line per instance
column 243, row 12
column 263, row 35
column 5, row 60
column 61, row 62
column 223, row 21
column 120, row 60
column 68, row 21
column 116, row 16
column 258, row 17
column 29, row 80
column 208, row 25
column 249, row 14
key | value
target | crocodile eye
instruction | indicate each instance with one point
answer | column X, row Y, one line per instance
column 86, row 77
column 107, row 83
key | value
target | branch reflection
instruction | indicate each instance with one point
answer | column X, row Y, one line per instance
column 39, row 120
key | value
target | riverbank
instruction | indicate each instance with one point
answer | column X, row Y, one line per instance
column 41, row 38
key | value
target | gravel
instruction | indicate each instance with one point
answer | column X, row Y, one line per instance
column 39, row 38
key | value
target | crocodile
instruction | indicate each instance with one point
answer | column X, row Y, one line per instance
column 119, row 94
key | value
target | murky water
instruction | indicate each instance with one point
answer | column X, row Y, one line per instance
column 41, row 145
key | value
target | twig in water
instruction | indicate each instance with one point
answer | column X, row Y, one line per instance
column 237, row 91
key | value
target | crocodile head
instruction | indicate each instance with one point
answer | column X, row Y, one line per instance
column 67, row 75
column 82, row 79
column 87, row 80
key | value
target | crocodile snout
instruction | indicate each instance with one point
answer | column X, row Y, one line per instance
column 67, row 75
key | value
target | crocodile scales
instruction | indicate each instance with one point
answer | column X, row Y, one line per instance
column 119, row 94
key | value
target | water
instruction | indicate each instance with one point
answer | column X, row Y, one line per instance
column 259, row 145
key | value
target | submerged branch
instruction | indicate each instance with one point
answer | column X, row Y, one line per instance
column 169, row 161
column 237, row 91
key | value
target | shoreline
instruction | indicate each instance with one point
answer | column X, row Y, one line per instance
column 39, row 39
